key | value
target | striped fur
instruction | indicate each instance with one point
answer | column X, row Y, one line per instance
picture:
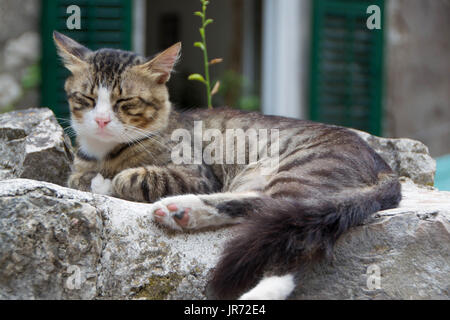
column 327, row 179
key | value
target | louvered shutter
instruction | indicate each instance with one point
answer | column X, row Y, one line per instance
column 104, row 23
column 346, row 65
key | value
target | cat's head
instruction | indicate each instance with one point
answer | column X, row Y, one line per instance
column 116, row 96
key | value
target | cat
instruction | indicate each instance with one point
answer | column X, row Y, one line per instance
column 327, row 179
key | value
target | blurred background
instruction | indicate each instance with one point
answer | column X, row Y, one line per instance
column 310, row 59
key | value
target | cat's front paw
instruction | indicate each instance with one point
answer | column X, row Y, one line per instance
column 101, row 185
column 182, row 212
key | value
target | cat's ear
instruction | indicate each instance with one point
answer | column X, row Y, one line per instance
column 161, row 66
column 72, row 53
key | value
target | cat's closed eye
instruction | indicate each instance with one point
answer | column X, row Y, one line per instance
column 81, row 101
column 132, row 109
column 129, row 106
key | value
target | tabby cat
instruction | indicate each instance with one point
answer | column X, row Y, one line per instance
column 326, row 181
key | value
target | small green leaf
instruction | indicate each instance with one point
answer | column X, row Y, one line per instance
column 198, row 13
column 197, row 77
column 208, row 22
column 202, row 32
column 199, row 45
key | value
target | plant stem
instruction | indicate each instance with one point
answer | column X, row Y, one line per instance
column 205, row 58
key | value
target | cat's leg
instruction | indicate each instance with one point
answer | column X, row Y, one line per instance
column 86, row 177
column 81, row 180
column 151, row 183
column 90, row 181
column 271, row 288
column 198, row 211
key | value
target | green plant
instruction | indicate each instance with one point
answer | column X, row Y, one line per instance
column 202, row 45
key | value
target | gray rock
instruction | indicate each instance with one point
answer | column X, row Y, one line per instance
column 50, row 246
column 409, row 158
column 33, row 145
column 60, row 243
column 402, row 253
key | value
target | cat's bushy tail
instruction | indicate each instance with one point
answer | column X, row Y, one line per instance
column 288, row 233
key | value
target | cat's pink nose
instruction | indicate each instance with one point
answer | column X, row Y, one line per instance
column 102, row 122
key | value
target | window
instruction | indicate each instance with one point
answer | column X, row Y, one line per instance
column 346, row 65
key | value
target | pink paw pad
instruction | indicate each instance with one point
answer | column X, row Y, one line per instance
column 172, row 207
column 160, row 213
column 180, row 216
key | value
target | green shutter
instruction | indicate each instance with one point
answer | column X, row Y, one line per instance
column 104, row 24
column 346, row 65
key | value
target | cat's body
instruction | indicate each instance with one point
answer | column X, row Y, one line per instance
column 326, row 179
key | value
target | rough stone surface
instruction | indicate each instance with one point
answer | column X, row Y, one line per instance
column 408, row 247
column 41, row 236
column 409, row 158
column 59, row 243
column 33, row 145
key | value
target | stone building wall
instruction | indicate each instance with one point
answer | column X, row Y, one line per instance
column 418, row 72
column 19, row 54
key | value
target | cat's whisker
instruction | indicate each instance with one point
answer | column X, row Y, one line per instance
column 63, row 119
column 146, row 134
column 158, row 142
column 138, row 144
column 152, row 135
column 71, row 134
column 65, row 122
column 70, row 131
